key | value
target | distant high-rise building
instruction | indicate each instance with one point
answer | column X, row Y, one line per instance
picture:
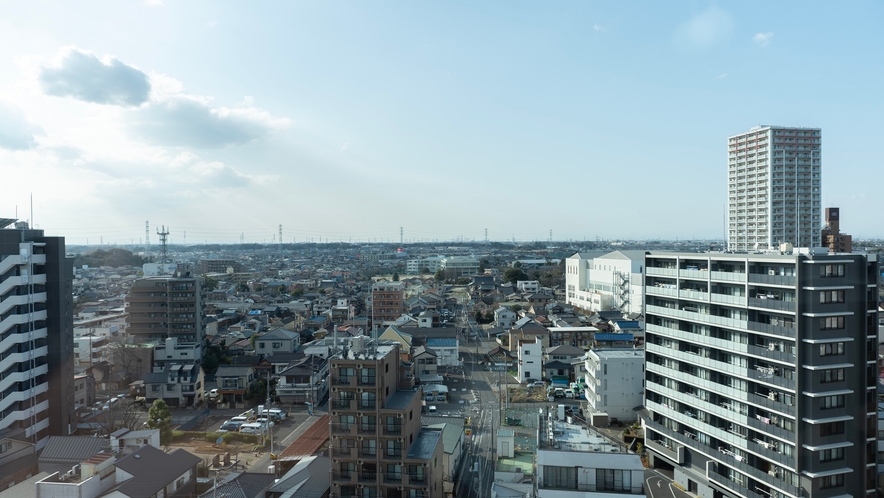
column 387, row 303
column 774, row 188
column 162, row 307
column 831, row 233
column 36, row 307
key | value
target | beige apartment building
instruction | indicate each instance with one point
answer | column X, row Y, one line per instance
column 377, row 446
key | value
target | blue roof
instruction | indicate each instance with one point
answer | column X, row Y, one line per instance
column 614, row 337
column 317, row 319
column 628, row 324
column 256, row 312
column 442, row 342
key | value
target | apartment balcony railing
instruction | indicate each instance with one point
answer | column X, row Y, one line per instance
column 415, row 479
column 341, row 428
column 392, row 455
column 366, row 381
column 342, row 452
column 367, row 405
column 367, row 477
column 392, row 430
column 342, row 404
column 367, row 429
column 392, row 478
column 634, row 490
column 341, row 381
column 368, row 453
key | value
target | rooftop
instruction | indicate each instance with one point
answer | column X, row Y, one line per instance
column 425, row 445
column 400, row 400
column 619, row 353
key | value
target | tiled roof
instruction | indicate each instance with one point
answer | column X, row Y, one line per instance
column 153, row 470
column 70, row 449
column 307, row 478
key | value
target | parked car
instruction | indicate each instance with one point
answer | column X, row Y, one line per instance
column 569, row 393
column 265, row 420
column 253, row 428
column 536, row 384
column 230, row 426
column 279, row 413
column 559, row 393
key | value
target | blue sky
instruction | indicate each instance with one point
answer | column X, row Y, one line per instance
column 348, row 120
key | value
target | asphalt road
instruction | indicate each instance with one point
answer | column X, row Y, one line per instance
column 658, row 484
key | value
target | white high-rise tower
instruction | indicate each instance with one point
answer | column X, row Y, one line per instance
column 774, row 188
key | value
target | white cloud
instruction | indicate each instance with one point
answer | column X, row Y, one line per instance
column 212, row 23
column 598, row 27
column 705, row 29
column 16, row 132
column 345, row 146
column 83, row 75
column 187, row 120
column 721, row 76
column 762, row 39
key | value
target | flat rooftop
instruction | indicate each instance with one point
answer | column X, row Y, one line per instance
column 400, row 400
column 574, row 437
column 619, row 353
column 425, row 445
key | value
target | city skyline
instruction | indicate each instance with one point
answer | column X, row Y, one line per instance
column 346, row 122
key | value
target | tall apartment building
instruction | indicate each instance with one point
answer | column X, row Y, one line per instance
column 377, row 446
column 832, row 238
column 774, row 188
column 387, row 302
column 162, row 307
column 37, row 332
column 219, row 266
column 761, row 372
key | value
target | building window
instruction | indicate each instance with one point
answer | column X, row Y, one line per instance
column 832, row 349
column 827, row 271
column 613, row 480
column 833, row 402
column 831, row 455
column 835, row 296
column 832, row 481
column 170, row 387
column 559, row 477
column 832, row 375
column 832, row 322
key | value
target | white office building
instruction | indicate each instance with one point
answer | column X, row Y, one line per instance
column 774, row 188
column 601, row 282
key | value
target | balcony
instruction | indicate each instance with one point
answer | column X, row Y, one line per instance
column 392, row 455
column 341, row 381
column 342, row 452
column 764, row 278
column 366, row 381
column 772, row 304
column 392, row 478
column 591, row 488
column 367, row 405
column 341, row 428
column 368, row 453
column 392, row 430
column 342, row 404
column 417, row 480
column 343, row 477
column 661, row 272
column 366, row 477
column 367, row 429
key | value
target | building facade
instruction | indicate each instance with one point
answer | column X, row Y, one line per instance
column 614, row 381
column 377, row 446
column 162, row 307
column 36, row 323
column 774, row 188
column 387, row 302
column 611, row 281
column 761, row 372
column 832, row 238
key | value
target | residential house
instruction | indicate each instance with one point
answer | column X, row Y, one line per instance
column 177, row 385
column 277, row 341
column 504, row 317
column 615, row 380
column 18, row 457
column 530, row 356
column 425, row 360
column 453, row 448
column 304, row 380
column 242, row 485
column 233, row 383
column 84, row 393
column 127, row 439
column 308, row 478
column 149, row 472
column 446, row 349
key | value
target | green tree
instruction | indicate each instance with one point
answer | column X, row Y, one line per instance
column 514, row 275
column 298, row 292
column 258, row 390
column 211, row 283
column 159, row 416
column 242, row 288
column 395, row 276
column 440, row 275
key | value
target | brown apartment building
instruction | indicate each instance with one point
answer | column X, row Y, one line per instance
column 387, row 301
column 163, row 307
column 377, row 446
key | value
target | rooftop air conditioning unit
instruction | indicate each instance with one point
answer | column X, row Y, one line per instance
column 771, row 272
column 360, row 438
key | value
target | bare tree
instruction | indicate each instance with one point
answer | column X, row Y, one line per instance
column 128, row 360
column 120, row 415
